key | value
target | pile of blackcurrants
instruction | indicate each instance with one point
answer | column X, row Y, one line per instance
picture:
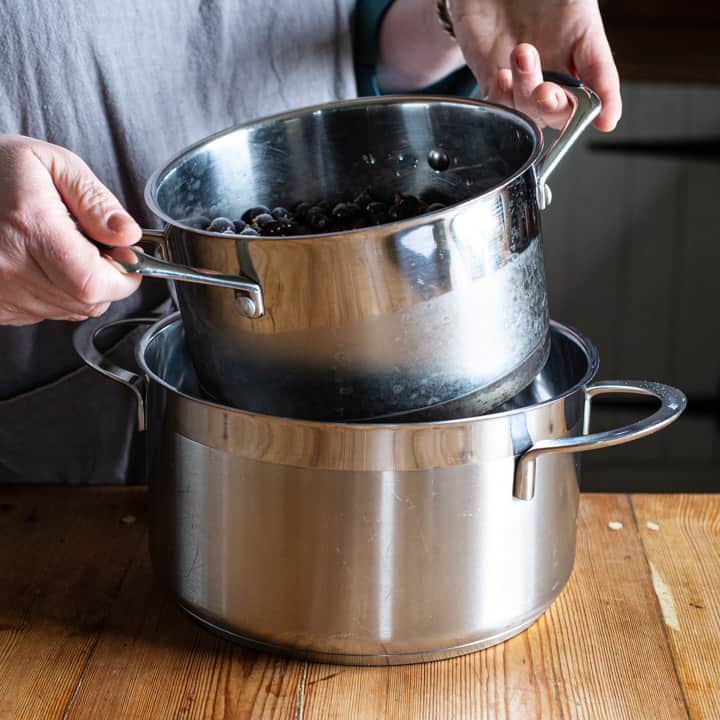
column 322, row 217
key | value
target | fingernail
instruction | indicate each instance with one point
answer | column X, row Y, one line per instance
column 549, row 103
column 117, row 222
column 525, row 62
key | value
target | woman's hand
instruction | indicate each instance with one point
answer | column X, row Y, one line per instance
column 506, row 43
column 48, row 269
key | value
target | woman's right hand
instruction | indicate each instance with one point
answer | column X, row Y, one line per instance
column 48, row 269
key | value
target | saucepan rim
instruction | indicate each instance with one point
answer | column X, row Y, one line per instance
column 155, row 180
column 579, row 339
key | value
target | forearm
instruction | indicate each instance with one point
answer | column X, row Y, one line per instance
column 414, row 51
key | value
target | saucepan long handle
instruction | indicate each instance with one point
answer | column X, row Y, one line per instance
column 672, row 404
column 84, row 343
column 586, row 107
column 134, row 261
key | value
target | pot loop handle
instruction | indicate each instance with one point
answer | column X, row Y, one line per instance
column 84, row 344
column 133, row 261
column 672, row 403
column 586, row 107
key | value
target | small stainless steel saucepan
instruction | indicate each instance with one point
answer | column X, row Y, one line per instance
column 380, row 321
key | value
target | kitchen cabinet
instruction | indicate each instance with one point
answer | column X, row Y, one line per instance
column 664, row 40
column 632, row 245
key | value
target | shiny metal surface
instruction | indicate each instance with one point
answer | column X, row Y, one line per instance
column 361, row 543
column 365, row 566
column 558, row 390
column 586, row 107
column 377, row 321
column 478, row 402
column 342, row 658
column 672, row 403
column 84, row 344
column 133, row 261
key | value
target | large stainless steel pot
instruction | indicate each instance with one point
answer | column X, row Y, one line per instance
column 379, row 321
column 368, row 544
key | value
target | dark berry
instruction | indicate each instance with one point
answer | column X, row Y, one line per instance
column 345, row 213
column 307, row 218
column 248, row 231
column 249, row 215
column 319, row 221
column 263, row 219
column 221, row 225
column 376, row 208
column 291, row 227
column 363, row 199
column 406, row 206
column 274, row 228
column 301, row 210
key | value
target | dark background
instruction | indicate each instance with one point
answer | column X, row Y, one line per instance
column 632, row 242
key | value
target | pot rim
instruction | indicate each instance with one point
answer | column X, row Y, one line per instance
column 152, row 185
column 583, row 342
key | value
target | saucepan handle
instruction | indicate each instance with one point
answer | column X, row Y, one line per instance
column 586, row 107
column 84, row 343
column 672, row 404
column 134, row 261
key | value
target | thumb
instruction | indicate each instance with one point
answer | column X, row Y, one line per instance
column 596, row 68
column 96, row 210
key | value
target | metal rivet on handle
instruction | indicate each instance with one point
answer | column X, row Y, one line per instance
column 246, row 305
column 544, row 196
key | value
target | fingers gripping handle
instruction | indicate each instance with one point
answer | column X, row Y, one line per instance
column 672, row 404
column 135, row 262
column 586, row 107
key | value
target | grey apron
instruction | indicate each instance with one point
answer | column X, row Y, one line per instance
column 127, row 84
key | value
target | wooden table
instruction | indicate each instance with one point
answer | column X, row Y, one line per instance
column 86, row 633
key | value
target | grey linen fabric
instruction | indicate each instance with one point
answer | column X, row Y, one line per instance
column 126, row 84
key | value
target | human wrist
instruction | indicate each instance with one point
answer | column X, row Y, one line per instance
column 415, row 51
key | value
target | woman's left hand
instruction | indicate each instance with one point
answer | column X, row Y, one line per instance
column 507, row 43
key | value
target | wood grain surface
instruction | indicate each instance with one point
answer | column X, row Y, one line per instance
column 85, row 632
column 580, row 660
column 63, row 560
column 681, row 537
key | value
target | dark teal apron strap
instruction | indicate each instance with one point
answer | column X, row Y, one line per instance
column 366, row 24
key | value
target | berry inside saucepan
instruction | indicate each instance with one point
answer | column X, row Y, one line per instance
column 312, row 218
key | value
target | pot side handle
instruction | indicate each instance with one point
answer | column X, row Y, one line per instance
column 84, row 344
column 586, row 107
column 134, row 261
column 672, row 404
